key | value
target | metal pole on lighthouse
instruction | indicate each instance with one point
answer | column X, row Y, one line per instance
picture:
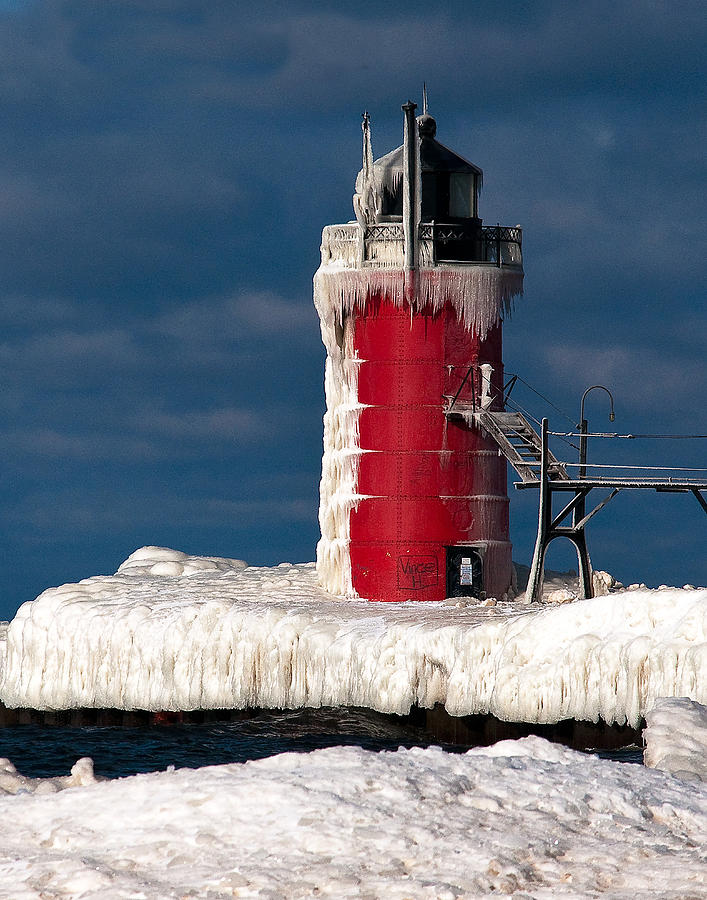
column 411, row 188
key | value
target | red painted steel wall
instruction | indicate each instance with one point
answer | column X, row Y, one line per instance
column 432, row 483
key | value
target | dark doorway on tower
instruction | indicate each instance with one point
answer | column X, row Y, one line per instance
column 465, row 572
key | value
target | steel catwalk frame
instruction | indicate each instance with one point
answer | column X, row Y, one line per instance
column 551, row 527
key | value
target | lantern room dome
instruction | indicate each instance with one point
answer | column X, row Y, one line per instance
column 450, row 183
column 427, row 125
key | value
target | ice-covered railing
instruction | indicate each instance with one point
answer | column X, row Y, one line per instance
column 354, row 246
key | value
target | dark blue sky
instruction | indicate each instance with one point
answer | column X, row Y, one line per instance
column 165, row 172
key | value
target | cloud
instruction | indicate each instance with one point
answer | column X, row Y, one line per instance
column 243, row 513
column 236, row 425
column 245, row 317
column 266, row 312
column 157, row 386
column 54, row 358
column 151, row 435
column 646, row 379
column 332, row 57
column 87, row 447
column 30, row 204
column 120, row 512
column 33, row 312
column 37, row 347
column 81, row 56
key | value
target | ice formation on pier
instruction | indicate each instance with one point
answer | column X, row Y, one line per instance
column 676, row 738
column 272, row 638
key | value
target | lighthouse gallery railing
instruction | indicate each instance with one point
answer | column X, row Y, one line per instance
column 382, row 244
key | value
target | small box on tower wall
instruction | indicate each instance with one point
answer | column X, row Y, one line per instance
column 411, row 298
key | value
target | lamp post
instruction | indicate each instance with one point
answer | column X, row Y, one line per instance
column 583, row 426
column 585, row 575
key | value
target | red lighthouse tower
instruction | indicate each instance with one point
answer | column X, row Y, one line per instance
column 411, row 297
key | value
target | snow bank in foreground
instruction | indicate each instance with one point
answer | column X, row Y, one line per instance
column 522, row 816
column 271, row 638
column 676, row 738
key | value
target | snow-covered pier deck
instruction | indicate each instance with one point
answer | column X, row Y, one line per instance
column 173, row 632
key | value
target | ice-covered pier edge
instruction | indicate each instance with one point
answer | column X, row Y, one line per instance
column 174, row 632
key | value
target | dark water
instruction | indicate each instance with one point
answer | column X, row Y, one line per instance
column 40, row 751
column 632, row 754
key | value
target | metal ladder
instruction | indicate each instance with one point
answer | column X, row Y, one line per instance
column 519, row 443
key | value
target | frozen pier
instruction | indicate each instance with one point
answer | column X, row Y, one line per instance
column 173, row 632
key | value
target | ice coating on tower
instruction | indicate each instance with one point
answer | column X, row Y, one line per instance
column 480, row 295
column 340, row 460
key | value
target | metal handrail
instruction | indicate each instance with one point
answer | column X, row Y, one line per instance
column 499, row 245
column 469, row 371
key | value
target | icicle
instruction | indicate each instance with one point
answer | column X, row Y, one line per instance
column 385, row 254
column 340, row 461
column 480, row 295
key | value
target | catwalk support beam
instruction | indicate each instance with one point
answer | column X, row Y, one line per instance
column 550, row 527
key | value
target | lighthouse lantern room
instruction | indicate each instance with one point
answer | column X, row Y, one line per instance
column 411, row 297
